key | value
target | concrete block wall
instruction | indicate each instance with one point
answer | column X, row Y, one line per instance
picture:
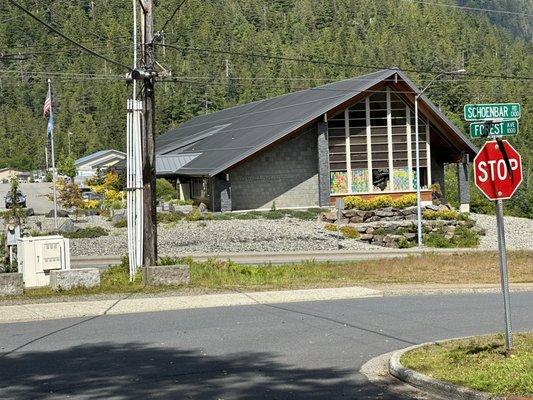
column 287, row 174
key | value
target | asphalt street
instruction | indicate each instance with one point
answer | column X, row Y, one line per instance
column 310, row 350
column 36, row 196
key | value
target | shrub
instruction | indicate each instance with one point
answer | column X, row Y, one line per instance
column 245, row 216
column 407, row 200
column 330, row 227
column 121, row 223
column 381, row 201
column 178, row 202
column 273, row 215
column 196, row 215
column 222, row 216
column 440, row 214
column 164, row 189
column 349, row 232
column 303, row 215
column 86, row 233
column 463, row 237
column 169, row 217
column 403, row 243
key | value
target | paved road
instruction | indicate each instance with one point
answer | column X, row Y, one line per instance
column 306, row 351
column 35, row 196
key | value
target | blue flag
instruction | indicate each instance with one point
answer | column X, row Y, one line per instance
column 50, row 127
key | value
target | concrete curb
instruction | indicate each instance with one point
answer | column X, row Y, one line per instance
column 430, row 385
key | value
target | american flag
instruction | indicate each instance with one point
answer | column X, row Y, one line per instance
column 47, row 107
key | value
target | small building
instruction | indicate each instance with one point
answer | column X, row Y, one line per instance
column 305, row 149
column 6, row 174
column 102, row 160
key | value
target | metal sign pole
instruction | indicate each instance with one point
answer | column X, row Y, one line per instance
column 340, row 206
column 504, row 275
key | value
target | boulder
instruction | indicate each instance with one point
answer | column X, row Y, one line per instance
column 409, row 210
column 385, row 213
column 168, row 275
column 365, row 214
column 361, row 229
column 432, row 207
column 30, row 212
column 11, row 284
column 409, row 235
column 66, row 279
column 67, row 227
column 329, row 216
column 202, row 207
column 349, row 213
column 356, row 219
column 366, row 237
column 60, row 214
column 374, row 218
column 118, row 218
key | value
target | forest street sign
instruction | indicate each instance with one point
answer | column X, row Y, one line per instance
column 483, row 112
column 491, row 174
column 503, row 128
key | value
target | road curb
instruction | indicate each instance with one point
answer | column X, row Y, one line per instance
column 430, row 385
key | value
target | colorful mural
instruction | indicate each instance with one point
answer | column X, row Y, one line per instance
column 338, row 182
column 401, row 178
column 359, row 180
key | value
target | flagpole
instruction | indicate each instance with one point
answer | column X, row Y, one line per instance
column 54, row 174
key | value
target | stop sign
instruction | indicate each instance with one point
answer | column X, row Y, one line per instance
column 491, row 172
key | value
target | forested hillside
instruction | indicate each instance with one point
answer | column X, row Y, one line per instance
column 90, row 94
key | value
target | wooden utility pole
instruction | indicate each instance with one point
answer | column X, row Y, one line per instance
column 148, row 137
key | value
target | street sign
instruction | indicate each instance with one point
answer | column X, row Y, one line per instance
column 503, row 128
column 479, row 112
column 491, row 174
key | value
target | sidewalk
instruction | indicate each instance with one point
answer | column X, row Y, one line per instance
column 128, row 304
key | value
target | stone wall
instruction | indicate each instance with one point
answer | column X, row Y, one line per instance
column 11, row 284
column 287, row 174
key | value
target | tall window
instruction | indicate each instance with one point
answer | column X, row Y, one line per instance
column 372, row 146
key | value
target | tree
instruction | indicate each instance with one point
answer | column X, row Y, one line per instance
column 67, row 167
column 69, row 196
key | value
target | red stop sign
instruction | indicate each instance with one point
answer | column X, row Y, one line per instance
column 491, row 173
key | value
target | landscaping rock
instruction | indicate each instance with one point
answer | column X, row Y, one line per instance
column 384, row 213
column 11, row 284
column 168, row 275
column 187, row 208
column 30, row 212
column 117, row 218
column 67, row 279
column 356, row 219
column 366, row 237
column 68, row 227
column 329, row 216
column 375, row 218
column 60, row 214
column 409, row 235
column 202, row 208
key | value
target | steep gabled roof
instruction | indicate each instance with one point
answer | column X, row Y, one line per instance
column 224, row 138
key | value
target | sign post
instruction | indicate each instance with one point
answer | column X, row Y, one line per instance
column 498, row 173
column 339, row 203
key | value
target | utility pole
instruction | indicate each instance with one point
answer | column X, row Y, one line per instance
column 147, row 75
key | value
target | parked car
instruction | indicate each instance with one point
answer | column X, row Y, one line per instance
column 20, row 200
column 89, row 196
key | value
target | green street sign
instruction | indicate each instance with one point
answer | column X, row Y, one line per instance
column 503, row 128
column 479, row 112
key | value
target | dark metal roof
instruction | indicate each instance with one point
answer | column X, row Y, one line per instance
column 169, row 164
column 222, row 139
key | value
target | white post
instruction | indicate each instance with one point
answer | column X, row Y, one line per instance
column 54, row 172
column 418, row 198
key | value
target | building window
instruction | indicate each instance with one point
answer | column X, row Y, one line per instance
column 197, row 188
column 372, row 146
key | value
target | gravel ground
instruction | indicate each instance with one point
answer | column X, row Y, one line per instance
column 518, row 232
column 259, row 235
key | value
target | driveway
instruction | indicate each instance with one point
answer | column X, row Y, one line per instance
column 36, row 196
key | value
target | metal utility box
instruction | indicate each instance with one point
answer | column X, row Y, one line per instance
column 37, row 256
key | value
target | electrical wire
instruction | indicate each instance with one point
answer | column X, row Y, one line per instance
column 172, row 16
column 92, row 52
column 486, row 10
column 332, row 63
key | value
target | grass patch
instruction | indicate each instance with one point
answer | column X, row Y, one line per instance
column 87, row 233
column 214, row 276
column 479, row 363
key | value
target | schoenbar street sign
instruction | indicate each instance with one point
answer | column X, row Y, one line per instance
column 480, row 112
column 503, row 128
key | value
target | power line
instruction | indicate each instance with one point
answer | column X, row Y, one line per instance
column 66, row 37
column 171, row 17
column 486, row 10
column 322, row 62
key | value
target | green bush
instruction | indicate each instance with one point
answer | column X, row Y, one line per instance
column 222, row 216
column 381, row 201
column 403, row 243
column 463, row 237
column 164, row 190
column 87, row 233
column 273, row 215
column 169, row 217
column 440, row 214
column 121, row 223
column 349, row 232
column 330, row 227
column 178, row 202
